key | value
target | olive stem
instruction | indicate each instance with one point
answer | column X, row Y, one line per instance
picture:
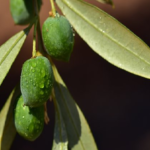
column 41, row 47
column 34, row 40
column 35, row 27
column 35, row 7
column 53, row 7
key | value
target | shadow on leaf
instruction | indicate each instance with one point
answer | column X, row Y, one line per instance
column 7, row 128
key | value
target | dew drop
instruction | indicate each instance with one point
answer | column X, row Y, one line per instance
column 120, row 65
column 41, row 92
column 31, row 128
column 23, row 117
column 41, row 85
column 33, row 64
column 43, row 73
column 37, row 127
column 103, row 31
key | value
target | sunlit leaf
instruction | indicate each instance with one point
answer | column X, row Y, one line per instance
column 78, row 131
column 9, row 51
column 7, row 128
column 107, row 37
column 60, row 141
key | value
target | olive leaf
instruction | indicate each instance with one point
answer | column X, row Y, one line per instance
column 78, row 131
column 106, row 2
column 60, row 141
column 108, row 37
column 7, row 128
column 9, row 51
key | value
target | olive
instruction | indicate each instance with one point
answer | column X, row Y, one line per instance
column 58, row 38
column 36, row 81
column 29, row 122
column 22, row 11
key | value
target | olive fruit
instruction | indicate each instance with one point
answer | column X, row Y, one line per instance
column 22, row 11
column 29, row 122
column 36, row 81
column 58, row 38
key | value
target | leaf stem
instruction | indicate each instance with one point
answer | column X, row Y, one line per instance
column 53, row 8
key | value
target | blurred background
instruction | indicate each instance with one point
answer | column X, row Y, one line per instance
column 115, row 103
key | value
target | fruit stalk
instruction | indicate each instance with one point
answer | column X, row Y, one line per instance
column 34, row 39
column 53, row 8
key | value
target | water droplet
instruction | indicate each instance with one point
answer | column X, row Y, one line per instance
column 43, row 73
column 103, row 31
column 73, row 34
column 31, row 128
column 48, row 83
column 22, row 116
column 41, row 85
column 33, row 64
column 120, row 65
column 37, row 127
column 41, row 92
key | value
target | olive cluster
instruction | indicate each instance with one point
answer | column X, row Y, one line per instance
column 37, row 79
column 36, row 86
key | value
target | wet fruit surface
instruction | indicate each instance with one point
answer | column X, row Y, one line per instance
column 36, row 81
column 58, row 37
column 23, row 10
column 29, row 122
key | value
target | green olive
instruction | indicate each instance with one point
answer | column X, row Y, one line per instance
column 29, row 122
column 22, row 11
column 58, row 37
column 36, row 81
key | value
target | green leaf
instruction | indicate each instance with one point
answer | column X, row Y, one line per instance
column 60, row 135
column 9, row 51
column 7, row 128
column 78, row 131
column 107, row 37
column 106, row 2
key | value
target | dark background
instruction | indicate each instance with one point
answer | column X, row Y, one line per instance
column 115, row 103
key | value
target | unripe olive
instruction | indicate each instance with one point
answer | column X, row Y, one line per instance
column 22, row 11
column 58, row 37
column 36, row 81
column 29, row 122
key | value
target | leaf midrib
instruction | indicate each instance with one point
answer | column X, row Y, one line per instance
column 17, row 40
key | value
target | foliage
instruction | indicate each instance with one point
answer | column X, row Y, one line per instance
column 106, row 36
